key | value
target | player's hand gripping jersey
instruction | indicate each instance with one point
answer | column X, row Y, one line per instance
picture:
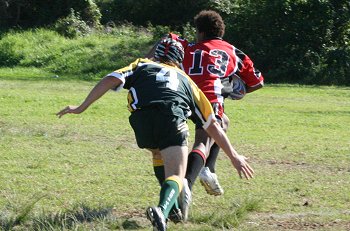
column 152, row 84
column 209, row 60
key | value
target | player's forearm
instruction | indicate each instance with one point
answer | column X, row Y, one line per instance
column 238, row 161
column 99, row 90
column 217, row 133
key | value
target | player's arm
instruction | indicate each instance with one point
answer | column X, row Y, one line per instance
column 114, row 81
column 215, row 131
column 99, row 90
column 252, row 77
column 204, row 111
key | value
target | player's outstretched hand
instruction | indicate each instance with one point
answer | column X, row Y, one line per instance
column 242, row 166
column 69, row 109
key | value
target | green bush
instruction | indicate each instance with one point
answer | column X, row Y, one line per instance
column 303, row 42
column 189, row 32
column 8, row 55
column 33, row 13
column 72, row 26
column 158, row 31
column 166, row 13
column 92, row 14
column 337, row 67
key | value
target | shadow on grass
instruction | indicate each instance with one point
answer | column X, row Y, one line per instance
column 82, row 217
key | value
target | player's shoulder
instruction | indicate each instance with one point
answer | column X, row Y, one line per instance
column 144, row 60
column 224, row 45
column 216, row 44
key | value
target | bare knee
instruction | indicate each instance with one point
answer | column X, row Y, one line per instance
column 175, row 161
column 156, row 154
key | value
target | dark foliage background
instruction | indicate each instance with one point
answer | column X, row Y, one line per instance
column 302, row 41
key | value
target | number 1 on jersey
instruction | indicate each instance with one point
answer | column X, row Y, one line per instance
column 218, row 68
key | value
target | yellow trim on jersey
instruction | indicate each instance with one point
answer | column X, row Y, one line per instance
column 126, row 71
column 177, row 180
column 131, row 66
column 206, row 112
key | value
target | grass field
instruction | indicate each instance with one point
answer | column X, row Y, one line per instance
column 85, row 172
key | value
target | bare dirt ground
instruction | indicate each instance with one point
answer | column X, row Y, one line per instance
column 302, row 222
column 261, row 222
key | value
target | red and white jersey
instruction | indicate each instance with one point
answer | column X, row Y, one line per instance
column 209, row 60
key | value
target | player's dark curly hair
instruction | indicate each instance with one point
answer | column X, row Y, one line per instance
column 210, row 22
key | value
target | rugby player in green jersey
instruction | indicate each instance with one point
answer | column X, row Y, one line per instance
column 161, row 99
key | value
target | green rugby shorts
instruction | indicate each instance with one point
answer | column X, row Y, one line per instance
column 156, row 130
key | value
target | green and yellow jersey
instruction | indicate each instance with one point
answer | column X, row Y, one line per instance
column 152, row 84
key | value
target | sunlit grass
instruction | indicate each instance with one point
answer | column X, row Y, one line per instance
column 85, row 172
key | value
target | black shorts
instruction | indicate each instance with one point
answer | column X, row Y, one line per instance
column 155, row 130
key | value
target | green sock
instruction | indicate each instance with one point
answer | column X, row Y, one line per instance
column 168, row 195
column 160, row 175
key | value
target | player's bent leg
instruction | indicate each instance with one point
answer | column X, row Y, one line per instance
column 169, row 194
column 207, row 175
column 175, row 161
column 185, row 200
column 215, row 149
column 198, row 155
column 175, row 214
column 213, row 155
column 158, row 165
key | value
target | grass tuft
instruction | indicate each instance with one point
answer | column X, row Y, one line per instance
column 229, row 218
column 71, row 219
column 9, row 221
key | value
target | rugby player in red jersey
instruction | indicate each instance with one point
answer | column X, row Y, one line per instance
column 211, row 62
